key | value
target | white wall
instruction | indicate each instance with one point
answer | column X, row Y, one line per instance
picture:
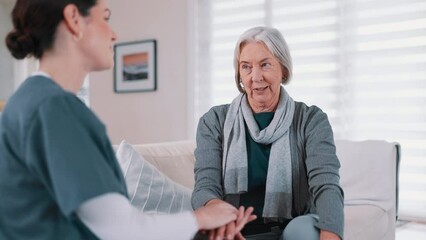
column 147, row 117
column 6, row 61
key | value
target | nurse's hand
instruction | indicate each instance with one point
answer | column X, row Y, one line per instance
column 232, row 229
column 215, row 215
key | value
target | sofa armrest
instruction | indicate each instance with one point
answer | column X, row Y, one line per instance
column 369, row 172
column 369, row 177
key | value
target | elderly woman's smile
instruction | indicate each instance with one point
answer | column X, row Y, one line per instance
column 260, row 89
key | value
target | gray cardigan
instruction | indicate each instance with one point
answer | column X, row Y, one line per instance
column 315, row 165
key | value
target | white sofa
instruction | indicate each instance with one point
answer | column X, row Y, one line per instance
column 369, row 178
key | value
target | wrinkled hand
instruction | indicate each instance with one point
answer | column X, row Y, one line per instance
column 232, row 229
column 326, row 235
column 212, row 216
column 244, row 216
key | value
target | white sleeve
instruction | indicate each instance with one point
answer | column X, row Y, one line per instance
column 111, row 216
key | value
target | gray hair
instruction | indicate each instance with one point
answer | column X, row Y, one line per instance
column 274, row 42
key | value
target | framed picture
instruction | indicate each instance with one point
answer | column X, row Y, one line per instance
column 135, row 68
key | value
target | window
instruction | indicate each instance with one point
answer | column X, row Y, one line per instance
column 362, row 61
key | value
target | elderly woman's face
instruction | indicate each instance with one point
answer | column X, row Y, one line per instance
column 261, row 74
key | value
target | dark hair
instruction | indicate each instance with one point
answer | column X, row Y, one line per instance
column 35, row 23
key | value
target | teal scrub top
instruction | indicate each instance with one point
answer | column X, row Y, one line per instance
column 54, row 156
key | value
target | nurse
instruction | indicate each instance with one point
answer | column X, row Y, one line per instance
column 59, row 178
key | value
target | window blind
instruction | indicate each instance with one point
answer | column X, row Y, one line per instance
column 362, row 61
column 386, row 74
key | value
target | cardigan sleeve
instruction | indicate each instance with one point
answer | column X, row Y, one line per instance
column 322, row 166
column 208, row 155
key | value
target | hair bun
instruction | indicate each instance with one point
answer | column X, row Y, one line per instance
column 20, row 44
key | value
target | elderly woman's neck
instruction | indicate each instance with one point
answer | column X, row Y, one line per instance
column 263, row 107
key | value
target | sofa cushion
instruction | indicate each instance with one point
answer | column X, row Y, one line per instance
column 366, row 222
column 149, row 189
column 368, row 172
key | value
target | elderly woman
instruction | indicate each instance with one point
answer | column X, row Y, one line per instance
column 267, row 151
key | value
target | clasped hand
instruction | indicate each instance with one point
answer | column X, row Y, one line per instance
column 232, row 229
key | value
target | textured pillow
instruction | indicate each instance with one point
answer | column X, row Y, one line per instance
column 149, row 189
column 174, row 159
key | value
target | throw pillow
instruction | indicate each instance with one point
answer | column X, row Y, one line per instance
column 149, row 189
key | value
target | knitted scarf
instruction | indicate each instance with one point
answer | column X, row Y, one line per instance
column 278, row 196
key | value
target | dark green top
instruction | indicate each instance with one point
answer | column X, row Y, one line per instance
column 258, row 159
column 54, row 155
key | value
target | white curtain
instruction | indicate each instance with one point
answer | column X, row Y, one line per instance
column 362, row 61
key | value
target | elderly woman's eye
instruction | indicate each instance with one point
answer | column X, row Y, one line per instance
column 245, row 67
column 265, row 65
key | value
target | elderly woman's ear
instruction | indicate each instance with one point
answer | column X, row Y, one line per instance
column 241, row 84
column 285, row 76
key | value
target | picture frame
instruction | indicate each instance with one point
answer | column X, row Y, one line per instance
column 135, row 66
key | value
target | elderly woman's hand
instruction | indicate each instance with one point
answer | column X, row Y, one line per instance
column 215, row 215
column 326, row 235
column 232, row 229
